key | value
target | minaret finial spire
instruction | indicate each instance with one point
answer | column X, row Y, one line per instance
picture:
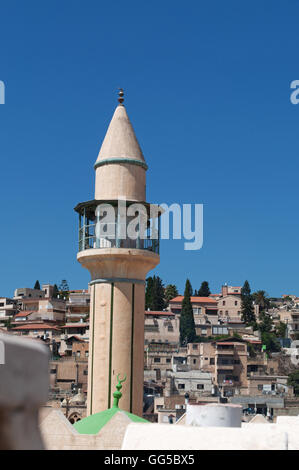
column 121, row 96
column 117, row 395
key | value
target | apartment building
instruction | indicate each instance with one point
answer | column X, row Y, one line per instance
column 201, row 306
column 226, row 360
column 77, row 305
column 69, row 373
column 229, row 307
column 72, row 332
column 8, row 308
column 38, row 330
column 161, row 327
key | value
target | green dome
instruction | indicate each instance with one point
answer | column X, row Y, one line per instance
column 94, row 423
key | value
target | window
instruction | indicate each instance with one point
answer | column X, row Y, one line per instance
column 168, row 360
column 86, row 353
column 194, row 346
column 212, row 361
column 236, row 361
column 85, row 372
column 223, row 303
column 157, row 359
column 194, row 361
column 181, row 386
column 200, row 387
column 236, row 303
column 78, row 353
column 53, row 371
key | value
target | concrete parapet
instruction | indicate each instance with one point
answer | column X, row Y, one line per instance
column 23, row 389
column 170, row 437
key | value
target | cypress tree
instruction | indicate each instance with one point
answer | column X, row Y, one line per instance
column 149, row 293
column 187, row 325
column 247, row 310
column 158, row 294
column 37, row 285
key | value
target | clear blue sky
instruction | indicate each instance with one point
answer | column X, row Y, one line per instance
column 208, row 91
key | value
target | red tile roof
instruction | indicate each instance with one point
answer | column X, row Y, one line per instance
column 156, row 312
column 198, row 300
column 36, row 326
column 24, row 314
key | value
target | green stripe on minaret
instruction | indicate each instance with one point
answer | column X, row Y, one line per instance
column 110, row 345
column 132, row 348
column 119, row 161
column 92, row 349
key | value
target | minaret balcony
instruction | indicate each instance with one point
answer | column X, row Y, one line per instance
column 102, row 224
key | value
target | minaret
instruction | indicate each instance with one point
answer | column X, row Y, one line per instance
column 118, row 267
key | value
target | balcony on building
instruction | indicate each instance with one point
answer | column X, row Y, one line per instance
column 95, row 232
column 225, row 349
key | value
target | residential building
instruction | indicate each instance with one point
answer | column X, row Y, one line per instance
column 201, row 306
column 69, row 331
column 69, row 373
column 38, row 330
column 229, row 307
column 161, row 327
column 226, row 360
column 8, row 308
column 77, row 305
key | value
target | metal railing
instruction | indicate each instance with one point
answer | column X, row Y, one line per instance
column 88, row 239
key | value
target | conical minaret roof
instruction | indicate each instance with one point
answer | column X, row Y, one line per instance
column 120, row 142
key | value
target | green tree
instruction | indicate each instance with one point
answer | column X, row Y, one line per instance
column 154, row 294
column 204, row 290
column 149, row 293
column 247, row 310
column 187, row 325
column 271, row 342
column 266, row 322
column 37, row 285
column 64, row 289
column 170, row 293
column 281, row 330
column 261, row 299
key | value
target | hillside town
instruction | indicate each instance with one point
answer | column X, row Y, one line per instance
column 233, row 346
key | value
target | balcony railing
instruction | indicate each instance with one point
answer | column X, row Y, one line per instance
column 88, row 239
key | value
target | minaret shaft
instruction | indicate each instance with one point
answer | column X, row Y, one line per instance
column 117, row 325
